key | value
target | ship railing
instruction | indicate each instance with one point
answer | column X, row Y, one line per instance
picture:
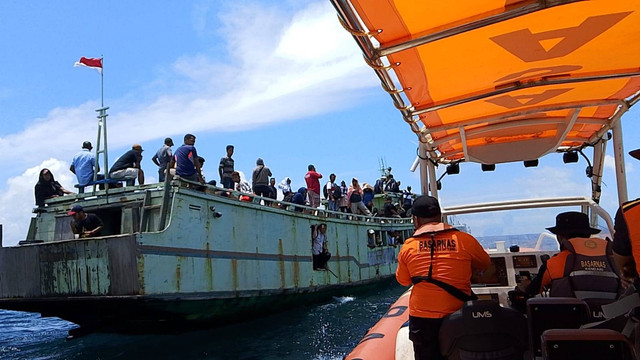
column 283, row 205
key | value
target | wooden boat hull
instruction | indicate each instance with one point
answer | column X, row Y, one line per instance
column 216, row 260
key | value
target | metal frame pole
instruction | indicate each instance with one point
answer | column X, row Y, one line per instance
column 618, row 153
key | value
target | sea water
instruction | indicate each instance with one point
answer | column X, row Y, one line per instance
column 324, row 331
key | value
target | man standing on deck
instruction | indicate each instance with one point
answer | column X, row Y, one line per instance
column 439, row 260
column 128, row 167
column 188, row 165
column 162, row 158
column 84, row 164
column 313, row 186
column 226, row 169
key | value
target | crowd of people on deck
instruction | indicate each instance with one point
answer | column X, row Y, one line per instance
column 187, row 164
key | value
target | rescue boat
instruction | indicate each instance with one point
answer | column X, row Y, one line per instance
column 497, row 82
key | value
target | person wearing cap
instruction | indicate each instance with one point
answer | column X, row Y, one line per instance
column 128, row 167
column 85, row 224
column 439, row 261
column 260, row 179
column 312, row 178
column 84, row 164
column 584, row 267
column 186, row 160
column 626, row 239
column 226, row 168
column 162, row 158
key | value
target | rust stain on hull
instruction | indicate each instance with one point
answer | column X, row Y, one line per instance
column 283, row 278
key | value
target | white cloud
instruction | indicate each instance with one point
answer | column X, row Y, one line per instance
column 610, row 164
column 225, row 97
column 17, row 202
column 294, row 65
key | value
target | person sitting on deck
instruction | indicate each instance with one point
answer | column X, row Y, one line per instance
column 47, row 187
column 299, row 198
column 285, row 187
column 85, row 224
column 186, row 160
column 389, row 210
column 128, row 166
column 84, row 165
column 584, row 268
column 355, row 199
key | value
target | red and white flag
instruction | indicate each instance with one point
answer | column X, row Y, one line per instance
column 92, row 63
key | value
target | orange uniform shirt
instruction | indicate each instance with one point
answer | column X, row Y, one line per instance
column 456, row 255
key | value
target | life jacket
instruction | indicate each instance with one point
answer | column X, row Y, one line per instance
column 452, row 290
column 589, row 274
column 631, row 213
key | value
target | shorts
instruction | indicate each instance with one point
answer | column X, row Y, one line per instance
column 128, row 173
column 314, row 199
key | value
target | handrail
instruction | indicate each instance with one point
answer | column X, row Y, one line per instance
column 532, row 204
column 322, row 213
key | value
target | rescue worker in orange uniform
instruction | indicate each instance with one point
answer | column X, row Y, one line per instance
column 439, row 260
column 626, row 240
column 584, row 268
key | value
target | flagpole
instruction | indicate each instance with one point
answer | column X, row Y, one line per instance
column 102, row 82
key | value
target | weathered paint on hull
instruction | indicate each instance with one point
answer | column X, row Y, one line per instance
column 201, row 267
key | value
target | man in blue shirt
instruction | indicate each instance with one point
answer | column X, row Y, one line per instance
column 162, row 158
column 186, row 160
column 83, row 164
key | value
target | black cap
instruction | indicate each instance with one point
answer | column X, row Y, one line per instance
column 572, row 222
column 426, row 206
column 87, row 145
column 635, row 153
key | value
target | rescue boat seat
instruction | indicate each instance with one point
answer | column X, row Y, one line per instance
column 544, row 313
column 584, row 344
column 483, row 329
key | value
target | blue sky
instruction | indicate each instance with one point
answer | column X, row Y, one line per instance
column 279, row 80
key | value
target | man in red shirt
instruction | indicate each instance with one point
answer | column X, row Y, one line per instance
column 313, row 186
column 439, row 260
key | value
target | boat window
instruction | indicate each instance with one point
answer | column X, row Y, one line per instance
column 112, row 219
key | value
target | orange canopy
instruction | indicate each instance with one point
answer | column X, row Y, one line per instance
column 497, row 81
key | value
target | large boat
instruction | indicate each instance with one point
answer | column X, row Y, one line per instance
column 496, row 82
column 185, row 254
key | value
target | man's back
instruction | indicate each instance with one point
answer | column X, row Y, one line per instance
column 184, row 159
column 83, row 164
column 163, row 155
column 455, row 255
column 127, row 160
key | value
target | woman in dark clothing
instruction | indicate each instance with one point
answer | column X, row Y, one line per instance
column 47, row 187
